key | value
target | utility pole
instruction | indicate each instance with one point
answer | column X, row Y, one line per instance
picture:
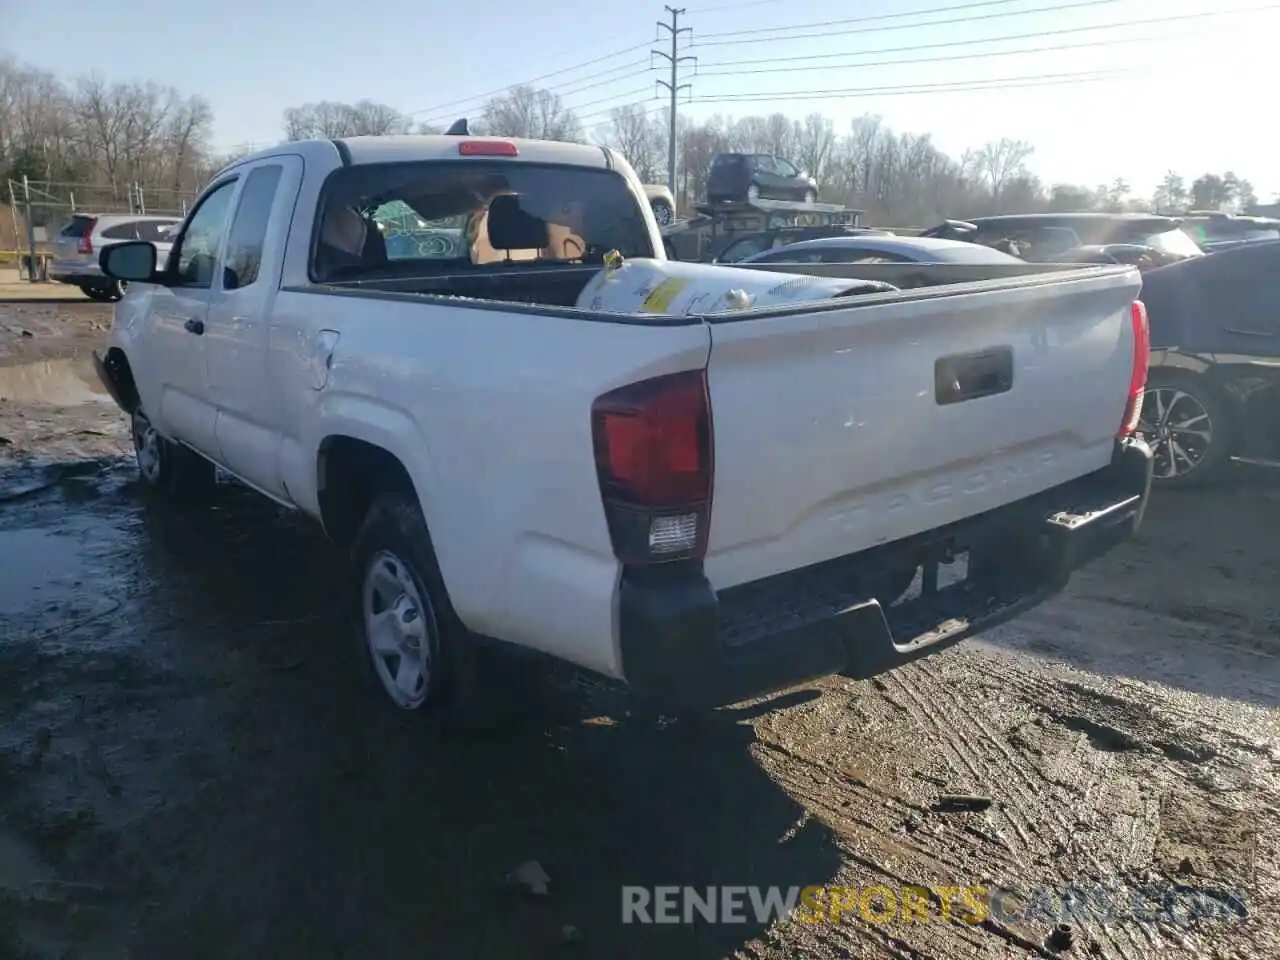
column 674, row 85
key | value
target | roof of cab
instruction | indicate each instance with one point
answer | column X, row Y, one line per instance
column 411, row 147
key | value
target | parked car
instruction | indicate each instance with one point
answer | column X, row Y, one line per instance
column 1129, row 254
column 1214, row 387
column 78, row 244
column 758, row 176
column 506, row 464
column 735, row 248
column 663, row 202
column 1044, row 236
column 1220, row 231
column 883, row 249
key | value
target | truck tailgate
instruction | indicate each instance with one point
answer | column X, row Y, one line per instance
column 841, row 427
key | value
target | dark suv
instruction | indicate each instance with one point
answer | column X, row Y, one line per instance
column 757, row 176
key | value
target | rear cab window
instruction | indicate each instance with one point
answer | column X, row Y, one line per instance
column 433, row 217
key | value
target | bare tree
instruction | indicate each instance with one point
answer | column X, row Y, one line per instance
column 525, row 111
column 638, row 137
column 1001, row 161
column 815, row 141
column 327, row 119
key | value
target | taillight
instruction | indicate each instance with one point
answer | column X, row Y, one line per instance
column 1138, row 372
column 653, row 452
column 86, row 238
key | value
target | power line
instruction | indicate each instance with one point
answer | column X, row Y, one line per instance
column 878, row 18
column 993, row 83
column 531, row 80
column 915, row 47
column 882, row 29
column 590, row 84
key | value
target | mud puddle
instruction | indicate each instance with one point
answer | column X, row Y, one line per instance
column 190, row 766
column 66, row 382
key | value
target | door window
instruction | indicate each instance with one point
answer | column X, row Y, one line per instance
column 157, row 231
column 1245, row 292
column 786, row 168
column 121, row 231
column 249, row 228
column 196, row 253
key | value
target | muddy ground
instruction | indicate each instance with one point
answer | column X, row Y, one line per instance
column 188, row 767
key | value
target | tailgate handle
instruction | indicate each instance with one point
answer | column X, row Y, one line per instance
column 968, row 376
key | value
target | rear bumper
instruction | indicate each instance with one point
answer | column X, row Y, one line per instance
column 686, row 644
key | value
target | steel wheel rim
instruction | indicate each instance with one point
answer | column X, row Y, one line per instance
column 1179, row 430
column 146, row 448
column 399, row 630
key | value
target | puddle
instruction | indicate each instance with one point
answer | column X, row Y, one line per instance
column 61, row 383
column 42, row 566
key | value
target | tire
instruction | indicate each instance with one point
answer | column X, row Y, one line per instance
column 467, row 686
column 169, row 468
column 662, row 212
column 1183, row 412
column 403, row 616
column 97, row 294
column 753, row 192
column 116, row 289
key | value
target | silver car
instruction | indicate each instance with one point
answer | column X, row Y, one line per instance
column 881, row 249
column 76, row 248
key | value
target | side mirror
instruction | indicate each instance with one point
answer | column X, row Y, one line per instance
column 134, row 261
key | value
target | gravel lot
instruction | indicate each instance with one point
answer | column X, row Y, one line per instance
column 188, row 767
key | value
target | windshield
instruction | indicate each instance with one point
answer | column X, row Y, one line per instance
column 1174, row 242
column 406, row 219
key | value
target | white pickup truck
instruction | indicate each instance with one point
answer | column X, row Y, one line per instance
column 706, row 507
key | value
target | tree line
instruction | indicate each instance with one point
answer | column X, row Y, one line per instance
column 110, row 135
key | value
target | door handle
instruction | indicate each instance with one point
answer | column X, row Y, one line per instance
column 194, row 326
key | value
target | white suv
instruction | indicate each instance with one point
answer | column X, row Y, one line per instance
column 76, row 249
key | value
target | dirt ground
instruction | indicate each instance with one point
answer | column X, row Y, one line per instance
column 189, row 768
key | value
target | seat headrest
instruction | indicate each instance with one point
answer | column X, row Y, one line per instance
column 344, row 229
column 510, row 228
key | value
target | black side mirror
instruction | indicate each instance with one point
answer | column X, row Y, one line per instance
column 134, row 261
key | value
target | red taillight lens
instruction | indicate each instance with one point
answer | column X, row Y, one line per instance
column 86, row 238
column 487, row 148
column 653, row 452
column 1138, row 373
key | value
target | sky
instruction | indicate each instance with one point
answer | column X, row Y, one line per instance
column 1101, row 88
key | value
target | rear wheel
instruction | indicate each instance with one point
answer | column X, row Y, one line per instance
column 168, row 467
column 116, row 289
column 1186, row 424
column 662, row 212
column 406, row 630
column 100, row 294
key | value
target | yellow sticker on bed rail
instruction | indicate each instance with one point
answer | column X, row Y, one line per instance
column 659, row 300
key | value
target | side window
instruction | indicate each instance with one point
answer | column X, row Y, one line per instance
column 122, row 231
column 783, row 255
column 1245, row 292
column 157, row 231
column 744, row 248
column 196, row 253
column 786, row 167
column 249, row 228
column 865, row 256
